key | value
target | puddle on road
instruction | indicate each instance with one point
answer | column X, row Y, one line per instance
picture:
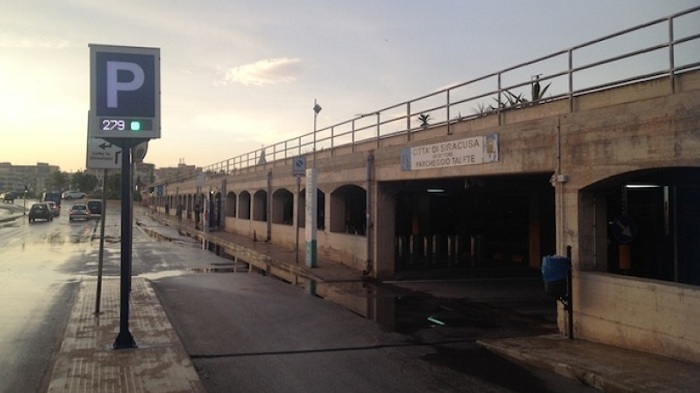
column 217, row 268
column 393, row 308
column 213, row 270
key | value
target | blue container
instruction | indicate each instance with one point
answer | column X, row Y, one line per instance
column 555, row 270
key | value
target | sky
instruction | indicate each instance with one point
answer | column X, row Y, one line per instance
column 240, row 75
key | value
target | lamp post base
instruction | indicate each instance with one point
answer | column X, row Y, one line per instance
column 124, row 341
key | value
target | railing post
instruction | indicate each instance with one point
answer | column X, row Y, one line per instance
column 500, row 97
column 671, row 60
column 352, row 135
column 571, row 80
column 449, row 131
column 378, row 129
column 408, row 120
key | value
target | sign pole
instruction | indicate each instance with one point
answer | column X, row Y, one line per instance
column 124, row 339
column 100, row 262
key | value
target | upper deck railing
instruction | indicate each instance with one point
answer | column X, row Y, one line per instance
column 660, row 48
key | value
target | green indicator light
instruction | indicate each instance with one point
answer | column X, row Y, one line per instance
column 135, row 125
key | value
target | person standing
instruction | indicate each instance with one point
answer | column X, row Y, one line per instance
column 197, row 210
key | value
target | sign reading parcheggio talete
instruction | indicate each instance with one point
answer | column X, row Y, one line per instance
column 124, row 92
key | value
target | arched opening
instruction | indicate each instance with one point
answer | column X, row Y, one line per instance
column 283, row 207
column 244, row 205
column 348, row 210
column 320, row 208
column 644, row 224
column 260, row 205
column 231, row 204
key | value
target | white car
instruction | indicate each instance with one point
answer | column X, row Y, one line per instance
column 73, row 195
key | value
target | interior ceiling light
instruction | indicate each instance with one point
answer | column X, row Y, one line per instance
column 435, row 190
column 642, row 186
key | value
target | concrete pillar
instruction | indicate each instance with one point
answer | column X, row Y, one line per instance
column 384, row 219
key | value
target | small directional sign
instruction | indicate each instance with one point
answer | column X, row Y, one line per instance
column 103, row 155
column 624, row 229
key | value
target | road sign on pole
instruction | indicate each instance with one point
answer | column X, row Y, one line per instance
column 124, row 92
column 124, row 111
column 103, row 155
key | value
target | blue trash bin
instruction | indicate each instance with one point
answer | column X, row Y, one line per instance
column 555, row 270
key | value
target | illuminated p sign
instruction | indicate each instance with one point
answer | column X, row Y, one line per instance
column 114, row 85
column 124, row 92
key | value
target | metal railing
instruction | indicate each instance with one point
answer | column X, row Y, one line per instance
column 660, row 48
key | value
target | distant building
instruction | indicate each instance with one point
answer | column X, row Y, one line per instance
column 37, row 178
column 163, row 175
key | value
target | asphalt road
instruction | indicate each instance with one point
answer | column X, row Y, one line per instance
column 247, row 332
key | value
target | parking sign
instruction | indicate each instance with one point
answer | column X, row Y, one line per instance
column 124, row 92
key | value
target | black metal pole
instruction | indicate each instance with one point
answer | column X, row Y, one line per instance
column 570, row 294
column 100, row 261
column 124, row 339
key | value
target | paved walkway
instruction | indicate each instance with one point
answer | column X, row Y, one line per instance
column 87, row 363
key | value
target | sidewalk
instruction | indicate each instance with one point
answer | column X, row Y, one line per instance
column 86, row 361
column 607, row 368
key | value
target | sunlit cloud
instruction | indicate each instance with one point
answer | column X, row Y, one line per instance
column 263, row 72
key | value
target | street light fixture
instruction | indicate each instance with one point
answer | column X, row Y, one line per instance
column 317, row 108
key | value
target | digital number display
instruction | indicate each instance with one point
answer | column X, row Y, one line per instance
column 133, row 125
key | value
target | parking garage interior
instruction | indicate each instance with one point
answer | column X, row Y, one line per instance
column 478, row 223
column 652, row 227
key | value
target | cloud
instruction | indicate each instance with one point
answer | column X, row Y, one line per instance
column 263, row 72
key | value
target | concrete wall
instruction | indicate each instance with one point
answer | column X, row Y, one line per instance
column 615, row 135
column 647, row 315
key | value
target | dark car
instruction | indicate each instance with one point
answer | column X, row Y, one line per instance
column 52, row 196
column 95, row 207
column 79, row 212
column 8, row 197
column 40, row 211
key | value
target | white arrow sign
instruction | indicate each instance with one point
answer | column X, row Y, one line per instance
column 103, row 155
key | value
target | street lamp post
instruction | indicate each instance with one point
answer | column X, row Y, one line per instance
column 317, row 108
column 312, row 203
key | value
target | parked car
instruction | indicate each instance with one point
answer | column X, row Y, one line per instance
column 8, row 197
column 40, row 211
column 95, row 207
column 79, row 212
column 55, row 209
column 73, row 195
